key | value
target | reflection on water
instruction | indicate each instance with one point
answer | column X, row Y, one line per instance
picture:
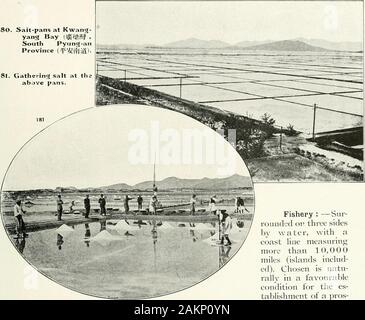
column 129, row 259
column 154, row 240
column 140, row 223
column 59, row 241
column 240, row 224
column 102, row 225
column 192, row 232
column 20, row 245
column 224, row 255
column 154, row 232
column 87, row 235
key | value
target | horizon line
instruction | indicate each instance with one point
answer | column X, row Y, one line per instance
column 100, row 187
column 299, row 38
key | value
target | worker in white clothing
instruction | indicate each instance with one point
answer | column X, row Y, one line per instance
column 18, row 214
column 226, row 228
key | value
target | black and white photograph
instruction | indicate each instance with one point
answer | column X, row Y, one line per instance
column 178, row 158
column 127, row 202
column 287, row 76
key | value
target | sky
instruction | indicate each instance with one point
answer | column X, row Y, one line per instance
column 154, row 22
column 107, row 145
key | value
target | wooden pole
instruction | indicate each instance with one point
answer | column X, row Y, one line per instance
column 281, row 137
column 125, row 75
column 219, row 226
column 154, row 173
column 180, row 87
column 314, row 121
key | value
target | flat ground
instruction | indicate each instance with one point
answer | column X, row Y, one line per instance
column 285, row 85
column 48, row 220
column 293, row 168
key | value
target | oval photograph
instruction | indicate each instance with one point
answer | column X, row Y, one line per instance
column 128, row 201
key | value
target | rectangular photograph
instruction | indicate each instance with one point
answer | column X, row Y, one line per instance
column 285, row 76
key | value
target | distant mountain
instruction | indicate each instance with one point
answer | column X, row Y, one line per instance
column 244, row 44
column 298, row 44
column 118, row 186
column 120, row 46
column 197, row 43
column 66, row 189
column 170, row 183
column 235, row 181
column 330, row 45
column 286, row 45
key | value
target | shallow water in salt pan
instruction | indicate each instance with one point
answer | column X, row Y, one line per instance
column 151, row 260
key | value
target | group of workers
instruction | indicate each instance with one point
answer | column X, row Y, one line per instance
column 239, row 204
column 102, row 203
column 224, row 217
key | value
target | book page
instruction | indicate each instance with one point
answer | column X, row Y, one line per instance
column 182, row 150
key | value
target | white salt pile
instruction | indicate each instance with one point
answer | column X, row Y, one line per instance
column 212, row 239
column 103, row 235
column 123, row 225
column 64, row 230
